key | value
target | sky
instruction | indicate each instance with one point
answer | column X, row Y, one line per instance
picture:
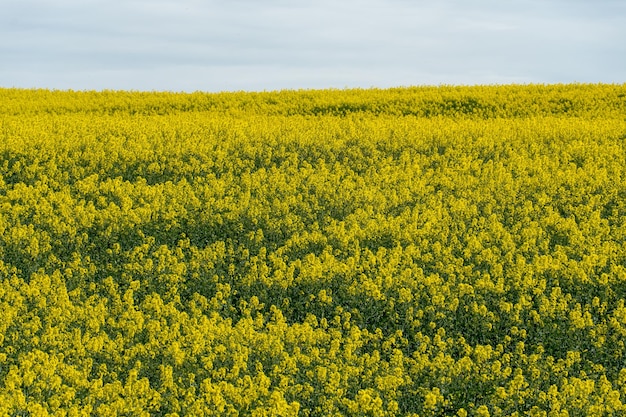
column 265, row 45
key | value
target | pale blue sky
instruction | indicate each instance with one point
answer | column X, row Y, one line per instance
column 218, row 45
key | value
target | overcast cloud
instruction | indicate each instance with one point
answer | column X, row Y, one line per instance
column 217, row 45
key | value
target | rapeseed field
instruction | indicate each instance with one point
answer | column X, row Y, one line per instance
column 427, row 251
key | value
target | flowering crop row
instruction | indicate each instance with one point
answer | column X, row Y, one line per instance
column 413, row 252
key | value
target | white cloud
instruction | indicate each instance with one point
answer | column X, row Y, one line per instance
column 243, row 44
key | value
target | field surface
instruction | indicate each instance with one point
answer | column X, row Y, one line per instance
column 444, row 251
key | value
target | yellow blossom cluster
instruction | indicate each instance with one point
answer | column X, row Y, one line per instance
column 427, row 251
